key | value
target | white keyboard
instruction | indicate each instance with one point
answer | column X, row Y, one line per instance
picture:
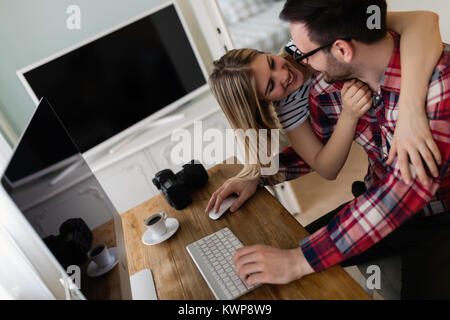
column 213, row 256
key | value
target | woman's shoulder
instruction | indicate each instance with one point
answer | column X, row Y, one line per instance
column 294, row 109
column 298, row 98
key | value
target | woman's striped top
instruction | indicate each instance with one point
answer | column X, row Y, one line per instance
column 294, row 109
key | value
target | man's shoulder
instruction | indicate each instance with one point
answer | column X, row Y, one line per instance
column 444, row 62
column 320, row 87
column 442, row 67
column 439, row 87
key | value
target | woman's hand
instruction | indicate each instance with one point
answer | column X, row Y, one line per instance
column 413, row 138
column 356, row 99
column 243, row 187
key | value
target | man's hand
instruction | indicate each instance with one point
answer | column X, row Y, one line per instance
column 244, row 188
column 264, row 264
column 413, row 138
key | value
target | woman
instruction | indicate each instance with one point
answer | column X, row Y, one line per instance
column 236, row 83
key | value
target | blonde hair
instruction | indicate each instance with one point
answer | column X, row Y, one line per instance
column 233, row 84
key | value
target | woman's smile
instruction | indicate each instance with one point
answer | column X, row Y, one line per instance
column 292, row 79
column 275, row 78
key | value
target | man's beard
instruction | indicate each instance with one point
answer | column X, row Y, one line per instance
column 336, row 71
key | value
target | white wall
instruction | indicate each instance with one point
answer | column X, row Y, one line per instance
column 441, row 7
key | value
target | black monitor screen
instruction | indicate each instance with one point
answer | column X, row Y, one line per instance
column 43, row 149
column 111, row 83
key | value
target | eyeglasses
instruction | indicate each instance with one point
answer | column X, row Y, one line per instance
column 301, row 57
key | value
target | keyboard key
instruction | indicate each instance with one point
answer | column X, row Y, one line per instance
column 241, row 287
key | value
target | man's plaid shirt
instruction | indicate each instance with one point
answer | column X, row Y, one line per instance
column 388, row 201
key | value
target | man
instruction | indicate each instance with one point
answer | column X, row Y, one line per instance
column 391, row 217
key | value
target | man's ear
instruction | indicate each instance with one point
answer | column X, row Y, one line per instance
column 343, row 51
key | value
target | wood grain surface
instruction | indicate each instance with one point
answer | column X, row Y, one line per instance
column 260, row 220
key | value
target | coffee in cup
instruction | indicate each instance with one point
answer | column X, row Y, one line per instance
column 156, row 224
column 100, row 255
column 153, row 221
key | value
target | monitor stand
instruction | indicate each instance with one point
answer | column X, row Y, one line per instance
column 155, row 123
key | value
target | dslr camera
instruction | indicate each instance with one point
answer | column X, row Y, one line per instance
column 177, row 188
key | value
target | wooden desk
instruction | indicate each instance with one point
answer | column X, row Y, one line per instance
column 260, row 220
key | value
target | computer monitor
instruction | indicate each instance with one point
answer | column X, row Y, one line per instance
column 55, row 190
column 119, row 81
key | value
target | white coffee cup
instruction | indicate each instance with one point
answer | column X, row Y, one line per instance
column 156, row 224
column 100, row 255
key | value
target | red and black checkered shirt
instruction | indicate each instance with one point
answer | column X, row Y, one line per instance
column 388, row 202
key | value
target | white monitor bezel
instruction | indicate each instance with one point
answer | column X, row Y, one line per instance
column 146, row 121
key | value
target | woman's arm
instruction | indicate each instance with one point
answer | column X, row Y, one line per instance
column 420, row 50
column 328, row 160
column 308, row 147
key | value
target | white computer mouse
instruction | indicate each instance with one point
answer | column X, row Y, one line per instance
column 224, row 206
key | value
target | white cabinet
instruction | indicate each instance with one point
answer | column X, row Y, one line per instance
column 84, row 200
column 50, row 200
column 160, row 152
column 128, row 182
column 126, row 176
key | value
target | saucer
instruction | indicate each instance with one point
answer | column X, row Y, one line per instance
column 172, row 226
column 94, row 270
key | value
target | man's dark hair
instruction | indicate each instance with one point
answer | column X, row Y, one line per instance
column 328, row 20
